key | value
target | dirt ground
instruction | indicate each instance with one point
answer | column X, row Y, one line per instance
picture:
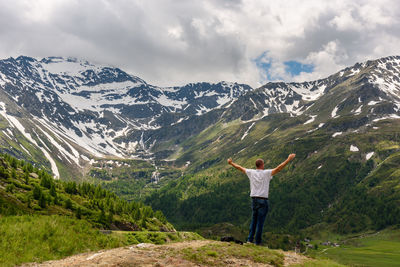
column 152, row 255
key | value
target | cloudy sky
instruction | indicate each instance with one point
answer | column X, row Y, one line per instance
column 173, row 42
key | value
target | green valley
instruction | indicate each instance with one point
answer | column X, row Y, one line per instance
column 364, row 249
column 326, row 183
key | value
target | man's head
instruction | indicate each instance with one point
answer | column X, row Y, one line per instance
column 260, row 164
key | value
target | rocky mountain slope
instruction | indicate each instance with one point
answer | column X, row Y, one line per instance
column 72, row 110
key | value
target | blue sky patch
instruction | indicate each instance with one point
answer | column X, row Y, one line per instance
column 263, row 63
column 294, row 67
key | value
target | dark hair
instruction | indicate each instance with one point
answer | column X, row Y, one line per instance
column 259, row 163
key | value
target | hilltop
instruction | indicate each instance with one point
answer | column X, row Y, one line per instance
column 193, row 253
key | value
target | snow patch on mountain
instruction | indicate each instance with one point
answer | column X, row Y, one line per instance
column 334, row 112
column 7, row 134
column 60, row 148
column 311, row 119
column 163, row 100
column 247, row 131
column 53, row 164
column 15, row 123
column 3, row 79
column 201, row 110
column 337, row 134
column 353, row 72
column 369, row 155
column 358, row 110
column 68, row 66
column 254, row 104
column 354, row 148
column 306, row 92
column 372, row 103
column 386, row 76
column 391, row 116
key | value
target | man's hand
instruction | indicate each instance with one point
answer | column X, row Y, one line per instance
column 240, row 168
column 283, row 164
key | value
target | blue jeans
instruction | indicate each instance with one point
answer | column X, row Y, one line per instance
column 260, row 210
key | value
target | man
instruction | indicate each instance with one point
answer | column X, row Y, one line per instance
column 259, row 187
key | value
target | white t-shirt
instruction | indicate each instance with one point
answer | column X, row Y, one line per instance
column 259, row 182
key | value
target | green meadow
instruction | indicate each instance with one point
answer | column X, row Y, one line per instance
column 379, row 249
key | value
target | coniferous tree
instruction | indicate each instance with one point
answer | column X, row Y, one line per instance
column 13, row 173
column 37, row 192
column 70, row 188
column 118, row 209
column 29, row 202
column 137, row 215
column 143, row 224
column 110, row 218
column 30, row 167
column 42, row 201
column 68, row 204
column 159, row 215
column 111, row 208
column 10, row 188
column 26, row 177
column 53, row 192
column 102, row 217
column 46, row 180
column 3, row 173
column 78, row 213
column 56, row 200
column 13, row 162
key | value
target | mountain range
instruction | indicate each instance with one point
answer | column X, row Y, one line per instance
column 69, row 115
column 73, row 110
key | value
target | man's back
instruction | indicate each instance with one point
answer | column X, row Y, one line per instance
column 259, row 182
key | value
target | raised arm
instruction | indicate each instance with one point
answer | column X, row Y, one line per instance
column 240, row 168
column 283, row 164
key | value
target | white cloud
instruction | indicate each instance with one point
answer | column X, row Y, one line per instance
column 327, row 61
column 173, row 42
column 346, row 21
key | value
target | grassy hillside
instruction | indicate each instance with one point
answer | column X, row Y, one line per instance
column 29, row 238
column 42, row 218
column 25, row 189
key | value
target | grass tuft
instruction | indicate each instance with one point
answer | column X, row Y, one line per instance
column 217, row 254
